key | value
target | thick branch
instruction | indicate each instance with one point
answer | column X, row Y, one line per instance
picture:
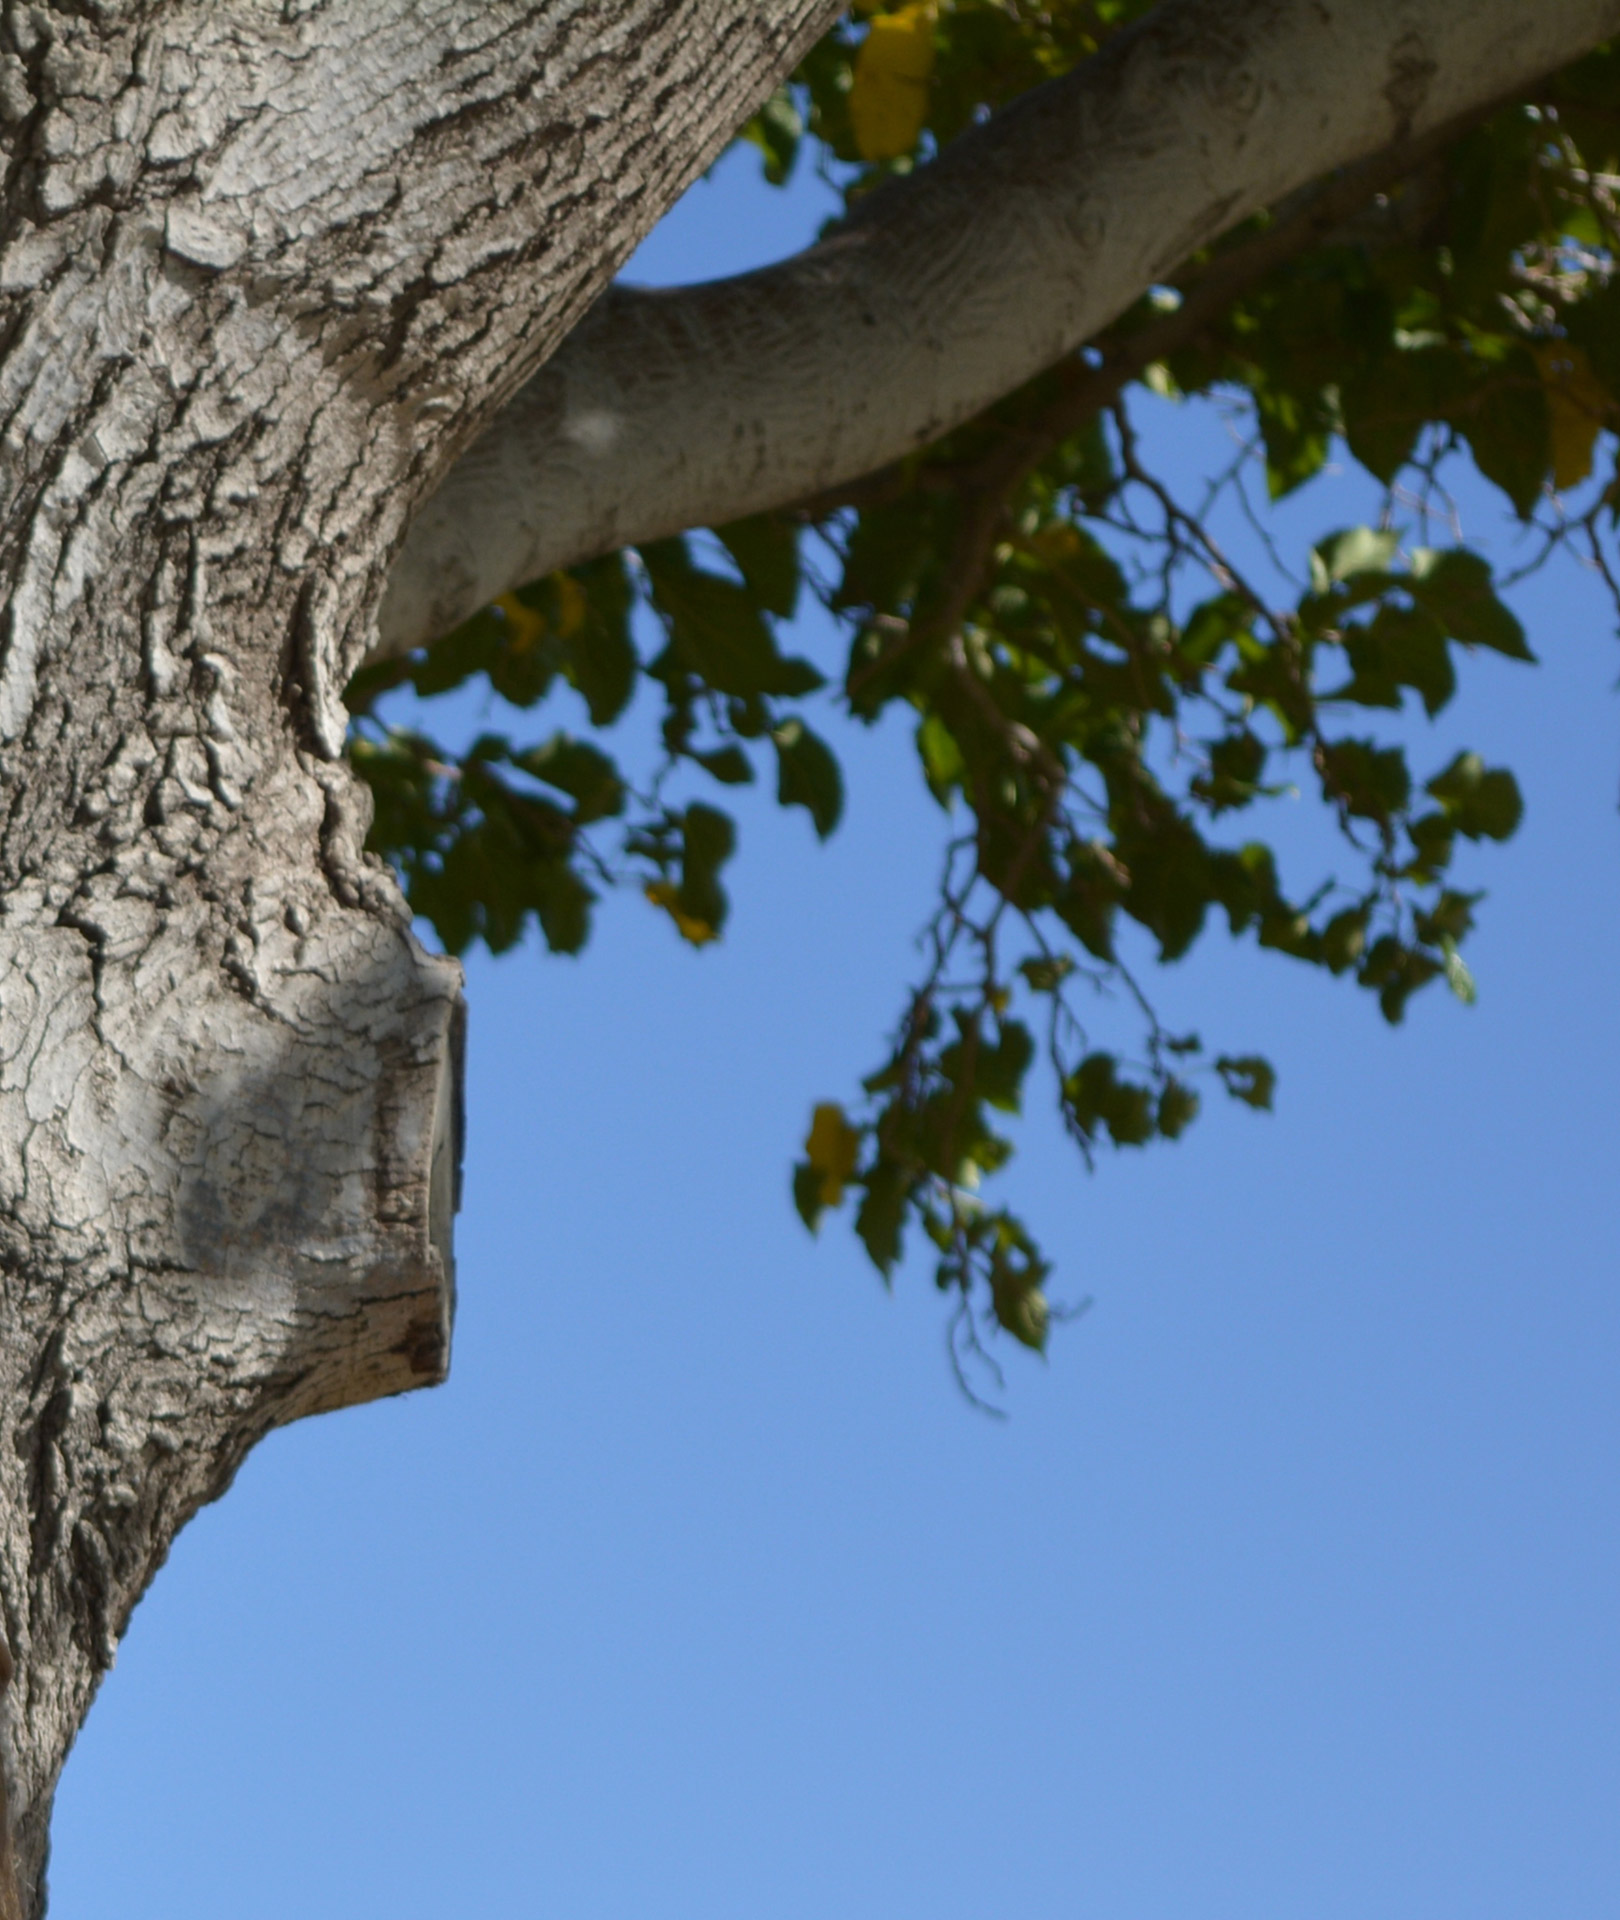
column 1084, row 390
column 666, row 410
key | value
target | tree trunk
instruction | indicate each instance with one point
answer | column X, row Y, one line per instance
column 265, row 268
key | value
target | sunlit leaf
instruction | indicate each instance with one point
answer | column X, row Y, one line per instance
column 831, row 1150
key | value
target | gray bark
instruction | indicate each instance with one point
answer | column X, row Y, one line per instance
column 264, row 269
column 695, row 406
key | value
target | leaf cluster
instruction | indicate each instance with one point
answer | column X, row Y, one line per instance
column 1104, row 702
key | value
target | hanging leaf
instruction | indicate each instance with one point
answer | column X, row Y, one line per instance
column 1356, row 550
column 831, row 1149
column 695, row 931
column 766, row 550
column 1248, row 1078
column 776, row 130
column 1456, row 588
column 1577, row 406
column 1479, row 801
column 888, row 101
column 1508, row 424
column 807, row 775
column 601, row 656
column 717, row 632
column 581, row 771
column 708, row 840
column 730, row 765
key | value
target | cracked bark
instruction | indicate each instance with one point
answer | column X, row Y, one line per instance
column 263, row 270
column 694, row 406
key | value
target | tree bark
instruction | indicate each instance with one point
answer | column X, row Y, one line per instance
column 948, row 289
column 263, row 271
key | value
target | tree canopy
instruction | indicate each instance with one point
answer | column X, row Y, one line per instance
column 1105, row 701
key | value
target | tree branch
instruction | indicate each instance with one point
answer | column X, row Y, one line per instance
column 951, row 287
column 989, row 484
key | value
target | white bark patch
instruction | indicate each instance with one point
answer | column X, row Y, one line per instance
column 203, row 238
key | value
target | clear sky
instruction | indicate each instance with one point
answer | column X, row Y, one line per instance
column 1289, row 1588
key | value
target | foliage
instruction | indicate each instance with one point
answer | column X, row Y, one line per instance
column 1101, row 694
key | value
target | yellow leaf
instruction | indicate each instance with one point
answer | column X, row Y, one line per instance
column 527, row 625
column 571, row 604
column 888, row 101
column 831, row 1148
column 1057, row 543
column 663, row 894
column 1577, row 408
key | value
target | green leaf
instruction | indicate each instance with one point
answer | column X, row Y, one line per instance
column 1495, row 205
column 1399, row 647
column 1433, row 838
column 766, row 550
column 1211, row 625
column 776, row 130
column 1356, row 550
column 807, row 775
column 1244, row 882
column 993, row 1073
column 1455, row 586
column 1386, row 402
column 882, row 1213
column 708, row 840
column 1087, row 901
column 1248, row 1078
column 716, row 630
column 1235, row 766
column 371, row 682
column 471, row 648
column 730, row 765
column 1451, row 916
column 1371, row 781
column 1046, row 973
column 807, row 1195
column 601, row 658
column 1094, row 1095
column 581, row 771
column 1298, row 430
column 1594, row 325
column 890, row 549
column 1086, row 463
column 1021, row 1308
column 1458, row 978
column 1171, row 882
column 1509, row 429
column 562, row 903
column 1396, row 970
column 1178, row 1108
column 1479, row 801
column 1344, row 939
column 943, row 766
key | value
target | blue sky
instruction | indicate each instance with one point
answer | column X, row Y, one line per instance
column 1288, row 1588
